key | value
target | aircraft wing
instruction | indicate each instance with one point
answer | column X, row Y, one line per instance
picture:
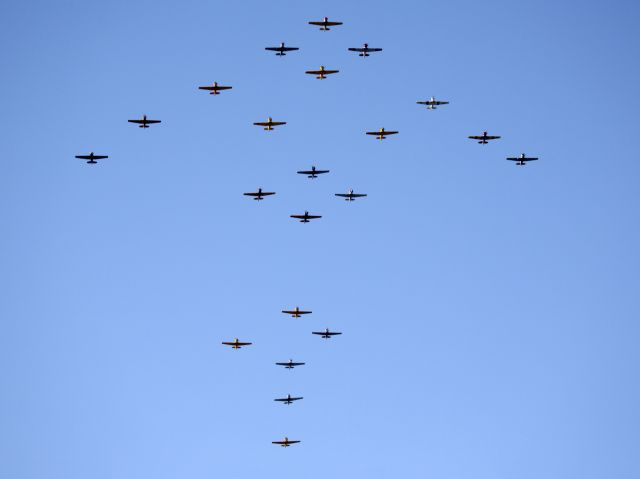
column 312, row 217
column 261, row 123
column 358, row 195
column 138, row 121
column 151, row 122
column 277, row 123
column 289, row 49
column 295, row 364
column 476, row 137
column 491, row 137
column 357, row 49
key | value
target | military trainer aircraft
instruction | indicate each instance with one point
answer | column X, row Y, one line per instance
column 312, row 173
column 214, row 89
column 285, row 443
column 235, row 344
column 381, row 133
column 296, row 312
column 259, row 195
column 288, row 399
column 320, row 74
column 365, row 50
column 290, row 364
column 305, row 217
column 269, row 124
column 281, row 49
column 325, row 24
column 432, row 103
column 522, row 159
column 92, row 158
column 350, row 196
column 484, row 138
column 326, row 334
column 144, row 123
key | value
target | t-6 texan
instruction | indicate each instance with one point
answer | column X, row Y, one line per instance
column 321, row 73
column 91, row 158
column 235, row 344
column 296, row 312
column 325, row 24
column 289, row 364
column 259, row 195
column 144, row 122
column 484, row 138
column 350, row 195
column 520, row 160
column 326, row 334
column 305, row 217
column 269, row 124
column 214, row 89
column 381, row 134
column 285, row 443
column 281, row 49
column 288, row 399
column 365, row 50
column 432, row 103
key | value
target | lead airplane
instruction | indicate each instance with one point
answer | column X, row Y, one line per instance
column 484, row 138
column 312, row 173
column 351, row 196
column 286, row 443
column 305, row 217
column 325, row 24
column 235, row 344
column 214, row 89
column 289, row 364
column 92, row 158
column 259, row 195
column 326, row 334
column 296, row 313
column 381, row 133
column 144, row 123
column 320, row 74
column 365, row 50
column 269, row 124
column 522, row 159
column 432, row 103
column 288, row 399
column 281, row 49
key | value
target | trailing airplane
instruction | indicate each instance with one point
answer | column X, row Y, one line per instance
column 290, row 364
column 288, row 399
column 312, row 173
column 214, row 89
column 285, row 443
column 522, row 159
column 484, row 138
column 269, row 124
column 296, row 312
column 235, row 344
column 144, row 123
column 325, row 24
column 432, row 103
column 326, row 334
column 259, row 195
column 320, row 74
column 281, row 49
column 381, row 133
column 365, row 50
column 350, row 196
column 92, row 158
column 305, row 217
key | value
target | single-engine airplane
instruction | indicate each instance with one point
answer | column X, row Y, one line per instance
column 289, row 364
column 235, row 344
column 144, row 123
column 325, row 24
column 381, row 134
column 296, row 312
column 288, row 399
column 214, row 89
column 269, row 124
column 285, row 443
column 365, row 50
column 522, row 159
column 305, row 217
column 484, row 138
column 326, row 334
column 350, row 196
column 92, row 158
column 259, row 195
column 432, row 103
column 321, row 73
column 281, row 49
column 312, row 173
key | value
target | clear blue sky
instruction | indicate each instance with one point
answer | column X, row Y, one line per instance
column 489, row 312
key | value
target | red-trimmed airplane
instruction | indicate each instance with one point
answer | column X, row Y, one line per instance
column 325, row 24
column 235, row 344
column 259, row 195
column 144, row 123
column 326, row 334
column 214, row 89
column 484, row 138
column 381, row 134
column 91, row 158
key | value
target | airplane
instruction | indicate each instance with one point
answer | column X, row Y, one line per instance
column 325, row 24
column 285, row 443
column 295, row 313
column 144, row 123
column 288, row 399
column 235, row 344
column 269, row 124
column 351, row 196
column 281, row 49
column 312, row 173
column 92, row 158
column 259, row 195
column 381, row 134
column 305, row 217
column 321, row 73
column 365, row 50
column 214, row 89
column 326, row 334
column 432, row 103
column 521, row 159
column 290, row 364
column 484, row 138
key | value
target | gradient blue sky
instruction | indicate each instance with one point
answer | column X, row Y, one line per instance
column 490, row 312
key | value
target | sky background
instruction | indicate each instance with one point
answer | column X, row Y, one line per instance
column 489, row 312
